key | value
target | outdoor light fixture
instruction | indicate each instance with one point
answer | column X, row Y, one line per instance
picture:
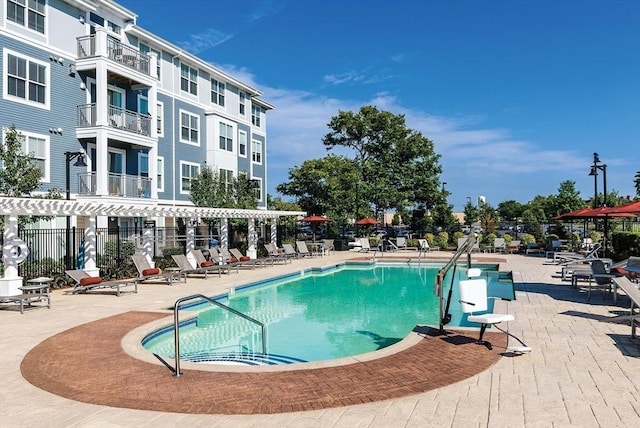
column 597, row 165
column 80, row 161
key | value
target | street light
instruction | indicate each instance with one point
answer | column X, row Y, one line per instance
column 69, row 156
column 598, row 165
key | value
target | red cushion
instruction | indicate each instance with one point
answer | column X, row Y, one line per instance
column 152, row 271
column 245, row 258
column 90, row 280
column 234, row 260
column 622, row 271
column 206, row 263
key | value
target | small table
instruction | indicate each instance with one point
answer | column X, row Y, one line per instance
column 36, row 290
column 316, row 248
column 178, row 273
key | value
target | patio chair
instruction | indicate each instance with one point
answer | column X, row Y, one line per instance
column 215, row 263
column 499, row 245
column 85, row 282
column 148, row 273
column 630, row 289
column 601, row 277
column 288, row 251
column 365, row 245
column 424, row 247
column 514, row 246
column 328, row 246
column 474, row 299
column 303, row 250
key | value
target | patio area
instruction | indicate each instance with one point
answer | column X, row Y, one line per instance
column 582, row 371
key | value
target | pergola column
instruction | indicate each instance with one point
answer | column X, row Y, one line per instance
column 147, row 243
column 90, row 252
column 252, row 249
column 190, row 244
column 224, row 232
column 274, row 231
column 11, row 281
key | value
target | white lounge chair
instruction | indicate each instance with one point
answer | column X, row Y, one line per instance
column 631, row 290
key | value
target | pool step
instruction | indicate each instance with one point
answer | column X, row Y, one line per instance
column 249, row 359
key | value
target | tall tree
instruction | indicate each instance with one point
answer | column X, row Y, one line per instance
column 397, row 166
column 636, row 183
column 568, row 199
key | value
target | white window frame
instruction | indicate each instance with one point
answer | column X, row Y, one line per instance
column 218, row 89
column 256, row 116
column 25, row 100
column 25, row 135
column 191, row 115
column 146, row 49
column 160, row 118
column 258, row 189
column 192, row 84
column 142, row 155
column 160, row 174
column 243, row 135
column 228, row 136
column 259, row 152
column 25, row 15
column 182, row 177
column 226, row 178
column 242, row 104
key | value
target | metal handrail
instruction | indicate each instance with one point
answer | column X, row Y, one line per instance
column 466, row 247
column 176, row 327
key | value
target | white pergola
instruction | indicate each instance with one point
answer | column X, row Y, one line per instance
column 12, row 208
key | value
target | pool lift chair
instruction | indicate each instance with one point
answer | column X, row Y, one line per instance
column 473, row 298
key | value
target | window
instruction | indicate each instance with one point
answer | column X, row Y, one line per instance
column 255, row 115
column 188, row 171
column 160, row 119
column 145, row 49
column 258, row 188
column 243, row 102
column 160, row 174
column 226, row 179
column 37, row 147
column 113, row 27
column 242, row 143
column 143, row 164
column 226, row 137
column 189, row 128
column 26, row 80
column 188, row 79
column 256, row 151
column 217, row 92
column 35, row 16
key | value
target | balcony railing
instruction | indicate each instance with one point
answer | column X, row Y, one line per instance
column 116, row 51
column 118, row 118
column 122, row 185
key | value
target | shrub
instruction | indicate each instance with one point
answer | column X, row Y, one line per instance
column 527, row 238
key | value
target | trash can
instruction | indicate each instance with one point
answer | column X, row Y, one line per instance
column 340, row 245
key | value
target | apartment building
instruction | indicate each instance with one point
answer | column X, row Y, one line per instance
column 120, row 113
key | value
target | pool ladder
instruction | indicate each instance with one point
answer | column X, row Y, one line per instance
column 176, row 328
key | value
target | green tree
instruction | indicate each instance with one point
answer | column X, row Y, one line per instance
column 19, row 175
column 636, row 183
column 208, row 190
column 489, row 219
column 471, row 214
column 397, row 167
column 568, row 199
column 510, row 210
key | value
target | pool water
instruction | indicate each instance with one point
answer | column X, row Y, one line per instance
column 313, row 316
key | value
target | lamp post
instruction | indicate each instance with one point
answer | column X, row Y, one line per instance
column 599, row 166
column 69, row 156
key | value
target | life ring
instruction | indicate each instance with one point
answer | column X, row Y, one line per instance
column 16, row 250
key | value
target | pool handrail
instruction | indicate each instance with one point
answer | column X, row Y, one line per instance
column 176, row 328
column 466, row 247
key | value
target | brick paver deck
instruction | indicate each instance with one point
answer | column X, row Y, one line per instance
column 87, row 363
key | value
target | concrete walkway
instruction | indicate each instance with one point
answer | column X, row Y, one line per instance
column 582, row 372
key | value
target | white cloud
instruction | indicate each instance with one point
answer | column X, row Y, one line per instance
column 207, row 39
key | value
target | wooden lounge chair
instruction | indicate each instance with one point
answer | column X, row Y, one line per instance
column 85, row 282
column 187, row 269
column 245, row 260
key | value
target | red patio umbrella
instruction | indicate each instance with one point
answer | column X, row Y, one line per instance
column 314, row 220
column 367, row 221
column 632, row 208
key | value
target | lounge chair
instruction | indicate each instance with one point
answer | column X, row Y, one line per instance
column 276, row 254
column 462, row 241
column 85, row 282
column 328, row 246
column 148, row 273
column 499, row 245
column 245, row 260
column 288, row 251
column 303, row 250
column 216, row 263
column 187, row 269
column 473, row 298
column 570, row 256
column 631, row 290
column 424, row 246
column 365, row 245
column 601, row 277
column 514, row 246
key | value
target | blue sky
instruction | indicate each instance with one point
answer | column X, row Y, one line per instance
column 515, row 95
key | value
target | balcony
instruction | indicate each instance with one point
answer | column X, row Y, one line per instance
column 119, row 118
column 126, row 55
column 120, row 185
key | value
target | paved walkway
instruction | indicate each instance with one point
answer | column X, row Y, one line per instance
column 582, row 372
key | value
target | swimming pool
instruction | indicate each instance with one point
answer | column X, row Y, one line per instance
column 316, row 315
